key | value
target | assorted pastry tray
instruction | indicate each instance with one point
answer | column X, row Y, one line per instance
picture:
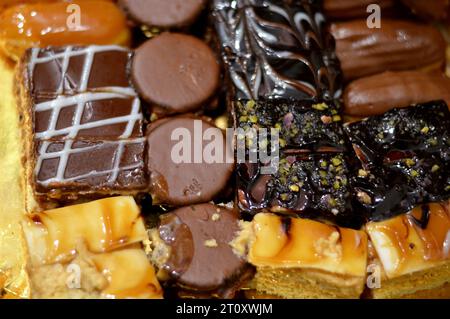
column 224, row 149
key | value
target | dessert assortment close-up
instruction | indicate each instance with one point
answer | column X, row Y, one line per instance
column 236, row 149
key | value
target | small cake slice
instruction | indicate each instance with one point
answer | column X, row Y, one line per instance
column 414, row 251
column 82, row 124
column 92, row 250
column 299, row 258
column 307, row 185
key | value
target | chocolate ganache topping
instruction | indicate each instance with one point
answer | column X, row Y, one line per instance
column 277, row 49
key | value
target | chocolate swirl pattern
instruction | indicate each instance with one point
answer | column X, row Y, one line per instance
column 275, row 49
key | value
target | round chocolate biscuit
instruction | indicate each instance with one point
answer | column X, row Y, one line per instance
column 175, row 71
column 163, row 13
column 189, row 161
column 201, row 256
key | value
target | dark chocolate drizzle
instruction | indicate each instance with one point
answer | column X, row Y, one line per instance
column 425, row 218
column 278, row 49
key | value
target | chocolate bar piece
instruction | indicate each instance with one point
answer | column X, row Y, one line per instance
column 404, row 159
column 277, row 49
column 89, row 115
column 70, row 70
column 87, row 166
column 302, row 125
column 308, row 185
column 84, row 123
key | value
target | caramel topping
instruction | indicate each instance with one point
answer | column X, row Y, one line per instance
column 103, row 225
column 436, row 233
column 129, row 273
column 412, row 242
column 292, row 242
column 56, row 24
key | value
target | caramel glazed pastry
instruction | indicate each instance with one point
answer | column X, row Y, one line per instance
column 351, row 210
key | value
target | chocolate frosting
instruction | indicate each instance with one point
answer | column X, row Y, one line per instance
column 185, row 183
column 276, row 49
column 397, row 45
column 163, row 13
column 175, row 71
column 379, row 93
column 87, row 122
column 309, row 186
column 94, row 167
column 199, row 237
column 405, row 154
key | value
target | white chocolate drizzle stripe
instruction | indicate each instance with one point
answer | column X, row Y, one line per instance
column 68, row 150
column 34, row 59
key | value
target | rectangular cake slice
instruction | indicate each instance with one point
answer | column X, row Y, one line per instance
column 82, row 124
column 404, row 157
column 312, row 186
column 91, row 250
column 413, row 251
column 299, row 258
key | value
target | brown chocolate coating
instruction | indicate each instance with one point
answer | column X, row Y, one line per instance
column 175, row 71
column 397, row 45
column 90, row 167
column 346, row 9
column 163, row 13
column 199, row 237
column 379, row 93
column 47, row 77
column 179, row 184
column 432, row 10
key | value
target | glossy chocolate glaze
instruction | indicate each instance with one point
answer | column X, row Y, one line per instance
column 92, row 167
column 376, row 94
column 404, row 159
column 309, row 186
column 87, row 122
column 397, row 45
column 277, row 49
column 201, row 258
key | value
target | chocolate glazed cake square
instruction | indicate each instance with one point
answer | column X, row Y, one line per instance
column 302, row 125
column 404, row 159
column 86, row 137
column 315, row 186
column 277, row 49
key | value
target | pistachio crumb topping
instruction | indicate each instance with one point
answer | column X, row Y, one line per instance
column 211, row 243
column 362, row 173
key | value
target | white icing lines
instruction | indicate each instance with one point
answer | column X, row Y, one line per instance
column 68, row 136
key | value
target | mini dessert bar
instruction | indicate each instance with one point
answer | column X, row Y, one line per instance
column 83, row 123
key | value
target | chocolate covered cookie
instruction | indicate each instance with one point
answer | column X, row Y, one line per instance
column 163, row 13
column 193, row 244
column 189, row 161
column 176, row 72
